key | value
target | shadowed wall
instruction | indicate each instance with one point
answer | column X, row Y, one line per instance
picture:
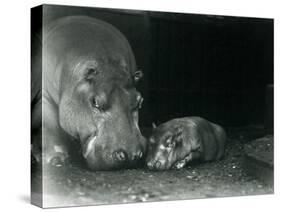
column 216, row 67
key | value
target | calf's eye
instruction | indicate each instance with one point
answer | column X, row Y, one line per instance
column 170, row 143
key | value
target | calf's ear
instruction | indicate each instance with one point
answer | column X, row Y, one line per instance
column 178, row 134
column 138, row 75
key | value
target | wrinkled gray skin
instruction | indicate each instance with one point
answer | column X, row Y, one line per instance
column 89, row 94
column 175, row 143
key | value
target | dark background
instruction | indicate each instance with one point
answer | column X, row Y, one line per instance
column 216, row 67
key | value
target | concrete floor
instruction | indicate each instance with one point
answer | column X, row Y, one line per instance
column 74, row 185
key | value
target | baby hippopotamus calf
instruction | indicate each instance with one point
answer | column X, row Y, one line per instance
column 175, row 143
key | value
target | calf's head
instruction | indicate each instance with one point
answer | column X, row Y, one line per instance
column 99, row 107
column 166, row 146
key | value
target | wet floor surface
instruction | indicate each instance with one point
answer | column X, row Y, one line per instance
column 73, row 185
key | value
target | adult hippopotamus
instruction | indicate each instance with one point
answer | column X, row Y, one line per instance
column 88, row 95
column 175, row 143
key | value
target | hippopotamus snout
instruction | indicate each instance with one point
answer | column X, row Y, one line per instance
column 105, row 154
column 117, row 159
column 137, row 156
column 155, row 165
column 122, row 156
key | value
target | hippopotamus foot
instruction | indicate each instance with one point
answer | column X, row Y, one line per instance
column 56, row 156
column 58, row 160
column 35, row 154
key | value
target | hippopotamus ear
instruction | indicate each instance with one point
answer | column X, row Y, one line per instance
column 138, row 75
column 154, row 126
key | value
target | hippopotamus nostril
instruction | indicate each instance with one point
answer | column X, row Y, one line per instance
column 137, row 156
column 119, row 155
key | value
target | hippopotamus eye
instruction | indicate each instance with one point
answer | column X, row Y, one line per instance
column 91, row 72
column 95, row 103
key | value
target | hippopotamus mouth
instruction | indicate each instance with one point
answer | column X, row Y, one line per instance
column 88, row 145
column 106, row 150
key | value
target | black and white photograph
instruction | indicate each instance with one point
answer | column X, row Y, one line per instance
column 148, row 105
column 139, row 106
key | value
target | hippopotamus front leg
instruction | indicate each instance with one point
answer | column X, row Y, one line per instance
column 54, row 140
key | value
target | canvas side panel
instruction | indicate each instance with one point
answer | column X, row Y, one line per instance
column 36, row 105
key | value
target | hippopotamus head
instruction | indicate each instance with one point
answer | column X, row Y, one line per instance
column 166, row 146
column 99, row 107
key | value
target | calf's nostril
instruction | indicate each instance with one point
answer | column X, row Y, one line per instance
column 119, row 155
column 150, row 165
column 140, row 154
column 157, row 164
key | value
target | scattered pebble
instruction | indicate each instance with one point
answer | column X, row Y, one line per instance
column 130, row 189
column 190, row 177
column 133, row 197
column 80, row 193
column 222, row 178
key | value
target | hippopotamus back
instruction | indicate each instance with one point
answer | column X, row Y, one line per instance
column 73, row 38
column 210, row 135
